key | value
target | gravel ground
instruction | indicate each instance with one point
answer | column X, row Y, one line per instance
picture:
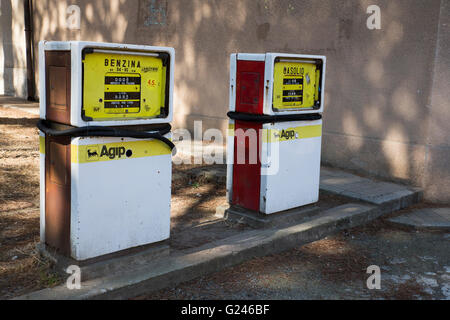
column 414, row 265
column 21, row 268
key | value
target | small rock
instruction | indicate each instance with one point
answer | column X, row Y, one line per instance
column 446, row 291
column 398, row 261
column 14, row 258
column 427, row 258
column 445, row 277
column 430, row 282
column 429, row 291
column 399, row 279
column 406, row 277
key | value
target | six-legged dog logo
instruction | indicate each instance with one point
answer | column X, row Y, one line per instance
column 92, row 153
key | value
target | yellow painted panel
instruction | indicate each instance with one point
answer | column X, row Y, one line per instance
column 73, row 153
column 42, row 144
column 118, row 151
column 316, row 93
column 303, row 132
column 231, row 130
column 121, row 86
column 295, row 85
column 163, row 87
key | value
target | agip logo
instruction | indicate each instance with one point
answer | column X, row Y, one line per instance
column 118, row 151
column 104, row 152
column 286, row 135
column 113, row 152
column 92, row 153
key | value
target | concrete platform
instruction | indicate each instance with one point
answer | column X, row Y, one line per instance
column 425, row 219
column 389, row 196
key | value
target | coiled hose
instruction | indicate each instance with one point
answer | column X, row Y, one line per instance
column 98, row 131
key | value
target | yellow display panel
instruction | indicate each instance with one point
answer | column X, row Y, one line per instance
column 296, row 85
column 121, row 86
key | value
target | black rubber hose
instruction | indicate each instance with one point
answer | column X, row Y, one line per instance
column 98, row 131
column 262, row 118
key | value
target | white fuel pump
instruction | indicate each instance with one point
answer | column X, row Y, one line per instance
column 105, row 146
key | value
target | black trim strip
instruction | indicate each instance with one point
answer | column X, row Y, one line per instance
column 262, row 118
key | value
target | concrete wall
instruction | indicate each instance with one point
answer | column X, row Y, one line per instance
column 437, row 175
column 13, row 72
column 383, row 115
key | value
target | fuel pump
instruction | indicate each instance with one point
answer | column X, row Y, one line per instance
column 276, row 102
column 105, row 148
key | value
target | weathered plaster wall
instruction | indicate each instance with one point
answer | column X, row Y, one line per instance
column 13, row 80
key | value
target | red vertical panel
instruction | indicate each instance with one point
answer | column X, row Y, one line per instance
column 250, row 86
column 247, row 176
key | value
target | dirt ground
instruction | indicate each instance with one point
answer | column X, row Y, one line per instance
column 414, row 265
column 21, row 269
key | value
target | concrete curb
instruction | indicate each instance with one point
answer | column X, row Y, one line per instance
column 213, row 257
column 426, row 219
column 412, row 226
